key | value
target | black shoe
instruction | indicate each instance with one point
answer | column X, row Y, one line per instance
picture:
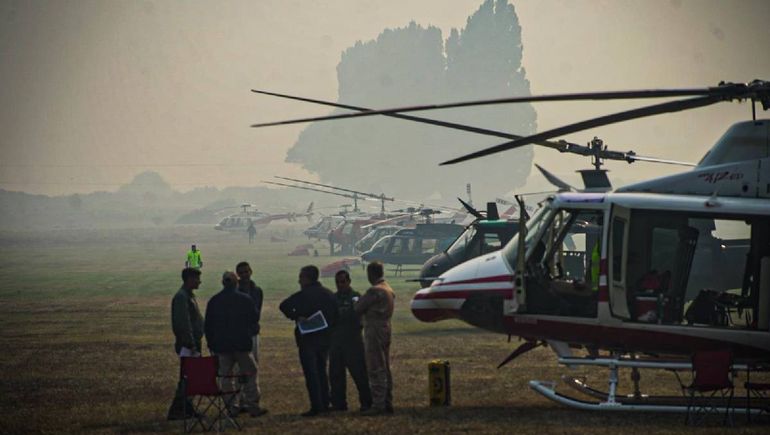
column 311, row 413
column 257, row 412
column 338, row 408
column 172, row 416
column 389, row 409
column 371, row 412
column 175, row 416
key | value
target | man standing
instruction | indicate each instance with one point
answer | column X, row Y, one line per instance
column 187, row 324
column 248, row 287
column 313, row 346
column 347, row 349
column 252, row 231
column 230, row 317
column 193, row 258
column 376, row 309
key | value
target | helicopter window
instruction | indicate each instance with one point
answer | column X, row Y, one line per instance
column 457, row 249
column 491, row 243
column 428, row 246
column 695, row 269
column 618, row 230
column 561, row 280
column 534, row 226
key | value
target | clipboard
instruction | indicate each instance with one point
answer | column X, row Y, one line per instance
column 314, row 323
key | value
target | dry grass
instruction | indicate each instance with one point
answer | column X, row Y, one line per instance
column 84, row 321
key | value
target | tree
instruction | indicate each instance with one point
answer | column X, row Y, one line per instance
column 413, row 65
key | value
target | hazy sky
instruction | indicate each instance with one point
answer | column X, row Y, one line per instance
column 94, row 92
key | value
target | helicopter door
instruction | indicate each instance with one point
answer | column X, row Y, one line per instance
column 617, row 261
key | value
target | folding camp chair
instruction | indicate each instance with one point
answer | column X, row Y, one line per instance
column 210, row 403
column 759, row 393
column 711, row 387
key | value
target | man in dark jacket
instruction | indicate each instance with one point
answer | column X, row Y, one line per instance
column 187, row 324
column 313, row 345
column 230, row 316
column 248, row 287
column 347, row 348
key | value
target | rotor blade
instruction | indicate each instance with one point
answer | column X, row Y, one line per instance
column 553, row 179
column 371, row 195
column 633, row 157
column 611, row 95
column 453, row 125
column 471, row 210
column 655, row 109
column 309, row 188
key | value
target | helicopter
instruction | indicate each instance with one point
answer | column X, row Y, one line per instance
column 353, row 226
column 487, row 233
column 632, row 299
column 250, row 216
column 413, row 245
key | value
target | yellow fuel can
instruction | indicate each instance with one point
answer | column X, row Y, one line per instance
column 439, row 389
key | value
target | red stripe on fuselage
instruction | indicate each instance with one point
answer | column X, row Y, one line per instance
column 463, row 294
column 498, row 278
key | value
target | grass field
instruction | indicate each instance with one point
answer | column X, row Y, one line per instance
column 87, row 346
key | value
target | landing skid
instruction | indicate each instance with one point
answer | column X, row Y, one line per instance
column 597, row 400
column 548, row 389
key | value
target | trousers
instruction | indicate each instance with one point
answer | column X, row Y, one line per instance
column 348, row 353
column 313, row 360
column 246, row 367
column 377, row 344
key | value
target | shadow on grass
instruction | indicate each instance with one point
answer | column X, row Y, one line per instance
column 537, row 416
column 442, row 332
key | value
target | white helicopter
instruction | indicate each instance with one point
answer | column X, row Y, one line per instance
column 632, row 297
column 249, row 216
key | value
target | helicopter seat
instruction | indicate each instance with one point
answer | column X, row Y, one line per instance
column 651, row 297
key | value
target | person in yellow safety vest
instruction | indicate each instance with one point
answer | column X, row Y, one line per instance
column 595, row 260
column 193, row 258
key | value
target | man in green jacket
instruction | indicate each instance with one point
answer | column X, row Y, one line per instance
column 187, row 324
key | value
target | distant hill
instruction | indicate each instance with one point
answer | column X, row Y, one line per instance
column 148, row 200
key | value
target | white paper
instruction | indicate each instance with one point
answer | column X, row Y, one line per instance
column 316, row 322
column 188, row 352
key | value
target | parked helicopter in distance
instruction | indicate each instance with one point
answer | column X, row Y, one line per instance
column 250, row 216
column 634, row 301
column 413, row 245
column 487, row 233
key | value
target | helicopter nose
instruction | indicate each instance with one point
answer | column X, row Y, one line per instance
column 430, row 306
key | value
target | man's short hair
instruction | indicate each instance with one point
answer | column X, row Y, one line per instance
column 375, row 269
column 229, row 277
column 311, row 272
column 342, row 272
column 190, row 272
column 242, row 264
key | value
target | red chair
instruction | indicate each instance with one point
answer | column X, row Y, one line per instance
column 712, row 386
column 210, row 403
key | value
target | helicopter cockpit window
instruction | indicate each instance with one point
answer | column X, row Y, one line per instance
column 490, row 243
column 458, row 248
column 562, row 266
column 534, row 228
